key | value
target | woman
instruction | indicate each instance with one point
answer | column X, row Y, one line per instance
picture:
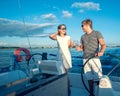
column 64, row 43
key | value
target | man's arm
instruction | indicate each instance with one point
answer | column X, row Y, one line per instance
column 103, row 47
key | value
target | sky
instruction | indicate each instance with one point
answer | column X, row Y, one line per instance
column 29, row 22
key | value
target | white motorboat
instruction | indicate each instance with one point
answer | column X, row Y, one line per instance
column 48, row 78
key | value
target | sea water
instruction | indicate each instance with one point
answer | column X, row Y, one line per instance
column 108, row 61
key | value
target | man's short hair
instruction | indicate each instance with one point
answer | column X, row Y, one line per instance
column 88, row 22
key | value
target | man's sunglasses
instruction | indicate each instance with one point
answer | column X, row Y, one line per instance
column 82, row 25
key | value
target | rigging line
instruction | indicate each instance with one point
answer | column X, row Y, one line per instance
column 25, row 28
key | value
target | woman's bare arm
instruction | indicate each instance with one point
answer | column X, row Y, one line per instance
column 53, row 36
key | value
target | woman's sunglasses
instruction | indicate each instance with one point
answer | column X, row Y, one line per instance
column 63, row 28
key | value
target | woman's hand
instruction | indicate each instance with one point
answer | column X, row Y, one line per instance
column 53, row 36
column 72, row 44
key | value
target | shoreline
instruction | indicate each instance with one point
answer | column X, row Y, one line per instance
column 45, row 47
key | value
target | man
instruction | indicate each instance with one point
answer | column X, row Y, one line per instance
column 90, row 42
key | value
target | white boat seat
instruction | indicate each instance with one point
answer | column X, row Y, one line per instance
column 52, row 67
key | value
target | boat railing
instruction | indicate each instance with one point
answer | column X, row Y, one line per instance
column 7, row 62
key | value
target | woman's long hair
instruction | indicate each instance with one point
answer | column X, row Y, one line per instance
column 59, row 27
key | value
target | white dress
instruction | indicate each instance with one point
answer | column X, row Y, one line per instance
column 63, row 51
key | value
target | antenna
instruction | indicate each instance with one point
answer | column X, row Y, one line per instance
column 25, row 28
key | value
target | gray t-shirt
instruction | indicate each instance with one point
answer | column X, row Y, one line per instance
column 90, row 43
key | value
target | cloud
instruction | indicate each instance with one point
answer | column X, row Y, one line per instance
column 3, row 43
column 81, row 10
column 19, row 29
column 42, row 35
column 49, row 16
column 87, row 5
column 66, row 14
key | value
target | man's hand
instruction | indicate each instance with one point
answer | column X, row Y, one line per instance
column 79, row 48
column 100, row 54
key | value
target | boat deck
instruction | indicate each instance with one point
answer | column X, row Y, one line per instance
column 78, row 92
column 45, row 87
column 77, row 88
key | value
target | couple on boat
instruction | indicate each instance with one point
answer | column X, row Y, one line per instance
column 89, row 44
